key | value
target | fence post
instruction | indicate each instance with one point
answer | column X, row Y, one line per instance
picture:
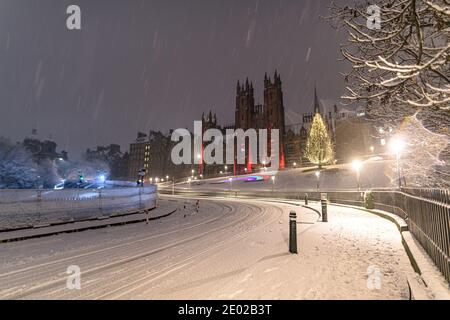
column 292, row 232
column 100, row 201
column 39, row 203
column 140, row 198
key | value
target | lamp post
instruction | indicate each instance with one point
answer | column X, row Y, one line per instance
column 273, row 183
column 173, row 186
column 396, row 146
column 189, row 180
column 357, row 164
column 317, row 173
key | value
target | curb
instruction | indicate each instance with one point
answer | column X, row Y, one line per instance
column 111, row 224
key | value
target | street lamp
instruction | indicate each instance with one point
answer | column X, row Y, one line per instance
column 189, row 180
column 317, row 173
column 396, row 146
column 357, row 164
column 295, row 164
column 273, row 183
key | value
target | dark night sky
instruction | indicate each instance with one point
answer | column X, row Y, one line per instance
column 140, row 65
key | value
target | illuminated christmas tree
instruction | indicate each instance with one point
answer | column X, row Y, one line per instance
column 318, row 147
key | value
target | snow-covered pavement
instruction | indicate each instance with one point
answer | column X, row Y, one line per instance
column 230, row 249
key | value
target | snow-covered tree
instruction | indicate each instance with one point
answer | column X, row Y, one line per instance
column 421, row 160
column 48, row 173
column 404, row 61
column 319, row 149
column 17, row 169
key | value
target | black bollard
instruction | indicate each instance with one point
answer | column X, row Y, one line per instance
column 323, row 200
column 306, row 199
column 324, row 211
column 293, row 232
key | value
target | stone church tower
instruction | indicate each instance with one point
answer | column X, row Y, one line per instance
column 270, row 115
column 274, row 110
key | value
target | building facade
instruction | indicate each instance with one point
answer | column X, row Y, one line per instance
column 42, row 149
column 139, row 156
column 153, row 151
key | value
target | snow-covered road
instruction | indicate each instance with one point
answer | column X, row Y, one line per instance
column 230, row 249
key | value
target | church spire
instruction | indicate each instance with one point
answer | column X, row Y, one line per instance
column 316, row 102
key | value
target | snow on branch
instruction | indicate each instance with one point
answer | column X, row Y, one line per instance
column 406, row 59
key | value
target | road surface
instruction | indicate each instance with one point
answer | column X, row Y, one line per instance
column 230, row 249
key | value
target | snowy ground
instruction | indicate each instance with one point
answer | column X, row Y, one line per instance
column 230, row 249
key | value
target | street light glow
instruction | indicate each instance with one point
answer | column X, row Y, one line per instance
column 317, row 173
column 396, row 146
column 356, row 165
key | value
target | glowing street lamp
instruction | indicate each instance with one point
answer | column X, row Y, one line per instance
column 357, row 165
column 273, row 182
column 295, row 164
column 317, row 173
column 231, row 183
column 396, row 147
column 189, row 180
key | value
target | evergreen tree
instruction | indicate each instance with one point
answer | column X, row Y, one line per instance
column 318, row 147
